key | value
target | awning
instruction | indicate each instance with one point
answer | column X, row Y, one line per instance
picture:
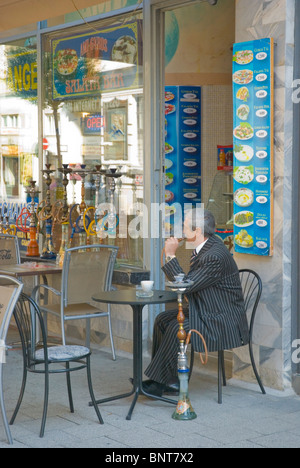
column 17, row 13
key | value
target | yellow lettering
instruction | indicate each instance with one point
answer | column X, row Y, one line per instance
column 26, row 77
column 18, row 78
column 34, row 75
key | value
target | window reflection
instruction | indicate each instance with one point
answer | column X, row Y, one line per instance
column 93, row 115
column 18, row 118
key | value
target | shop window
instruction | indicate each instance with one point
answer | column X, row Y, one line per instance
column 18, row 123
column 93, row 115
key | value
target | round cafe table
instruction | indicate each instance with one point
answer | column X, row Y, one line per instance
column 128, row 297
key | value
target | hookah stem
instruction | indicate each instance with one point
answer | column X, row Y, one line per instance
column 181, row 335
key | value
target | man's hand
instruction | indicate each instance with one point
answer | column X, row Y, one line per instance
column 171, row 246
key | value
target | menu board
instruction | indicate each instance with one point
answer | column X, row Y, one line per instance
column 182, row 144
column 253, row 66
column 103, row 61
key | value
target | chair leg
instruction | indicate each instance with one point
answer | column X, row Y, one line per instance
column 88, row 333
column 6, row 426
column 111, row 335
column 63, row 332
column 221, row 375
column 89, row 377
column 69, row 388
column 24, row 381
column 222, row 357
column 46, row 399
column 255, row 369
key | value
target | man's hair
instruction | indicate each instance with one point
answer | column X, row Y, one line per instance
column 204, row 219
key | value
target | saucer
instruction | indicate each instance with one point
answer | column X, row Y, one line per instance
column 141, row 293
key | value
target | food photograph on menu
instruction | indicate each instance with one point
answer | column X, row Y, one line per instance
column 253, row 130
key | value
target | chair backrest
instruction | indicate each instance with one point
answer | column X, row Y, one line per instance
column 86, row 271
column 29, row 319
column 252, row 289
column 9, row 250
column 10, row 290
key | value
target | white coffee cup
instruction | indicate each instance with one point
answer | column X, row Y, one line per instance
column 147, row 286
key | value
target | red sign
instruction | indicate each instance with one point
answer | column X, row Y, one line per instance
column 45, row 144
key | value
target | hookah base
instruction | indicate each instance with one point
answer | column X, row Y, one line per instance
column 184, row 411
column 48, row 256
column 33, row 251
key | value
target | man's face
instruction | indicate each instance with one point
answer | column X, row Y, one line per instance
column 190, row 234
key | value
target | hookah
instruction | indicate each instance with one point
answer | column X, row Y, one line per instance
column 184, row 410
column 32, row 248
column 62, row 216
column 90, row 226
column 45, row 214
column 5, row 227
column 79, row 225
column 110, row 221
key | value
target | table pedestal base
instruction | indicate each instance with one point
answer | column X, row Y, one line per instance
column 137, row 367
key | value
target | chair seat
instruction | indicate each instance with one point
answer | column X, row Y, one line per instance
column 73, row 309
column 61, row 353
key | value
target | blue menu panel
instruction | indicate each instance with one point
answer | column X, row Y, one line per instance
column 182, row 145
column 253, row 146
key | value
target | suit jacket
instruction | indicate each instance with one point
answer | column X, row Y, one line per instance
column 216, row 302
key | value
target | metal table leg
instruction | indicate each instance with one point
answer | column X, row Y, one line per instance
column 137, row 366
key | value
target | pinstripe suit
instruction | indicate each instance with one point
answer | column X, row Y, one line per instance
column 216, row 310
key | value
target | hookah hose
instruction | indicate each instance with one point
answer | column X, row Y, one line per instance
column 21, row 225
column 89, row 228
column 203, row 361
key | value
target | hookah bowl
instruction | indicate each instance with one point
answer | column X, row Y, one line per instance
column 184, row 410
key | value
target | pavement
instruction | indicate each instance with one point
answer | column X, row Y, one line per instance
column 246, row 419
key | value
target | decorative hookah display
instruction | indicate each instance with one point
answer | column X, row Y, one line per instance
column 45, row 214
column 33, row 247
column 5, row 227
column 110, row 221
column 62, row 216
column 90, row 225
column 184, row 410
column 63, row 212
column 78, row 226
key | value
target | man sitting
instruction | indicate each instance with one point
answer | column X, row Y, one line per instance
column 215, row 303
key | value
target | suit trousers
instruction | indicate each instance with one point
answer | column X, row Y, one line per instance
column 165, row 348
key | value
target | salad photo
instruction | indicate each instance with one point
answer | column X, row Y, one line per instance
column 244, row 219
column 243, row 57
column 243, row 174
column 168, row 148
column 243, row 77
column 244, row 131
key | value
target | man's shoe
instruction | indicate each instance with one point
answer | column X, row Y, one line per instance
column 172, row 389
column 153, row 388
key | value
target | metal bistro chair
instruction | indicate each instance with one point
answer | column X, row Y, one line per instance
column 40, row 359
column 10, row 290
column 86, row 271
column 9, row 250
column 252, row 289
